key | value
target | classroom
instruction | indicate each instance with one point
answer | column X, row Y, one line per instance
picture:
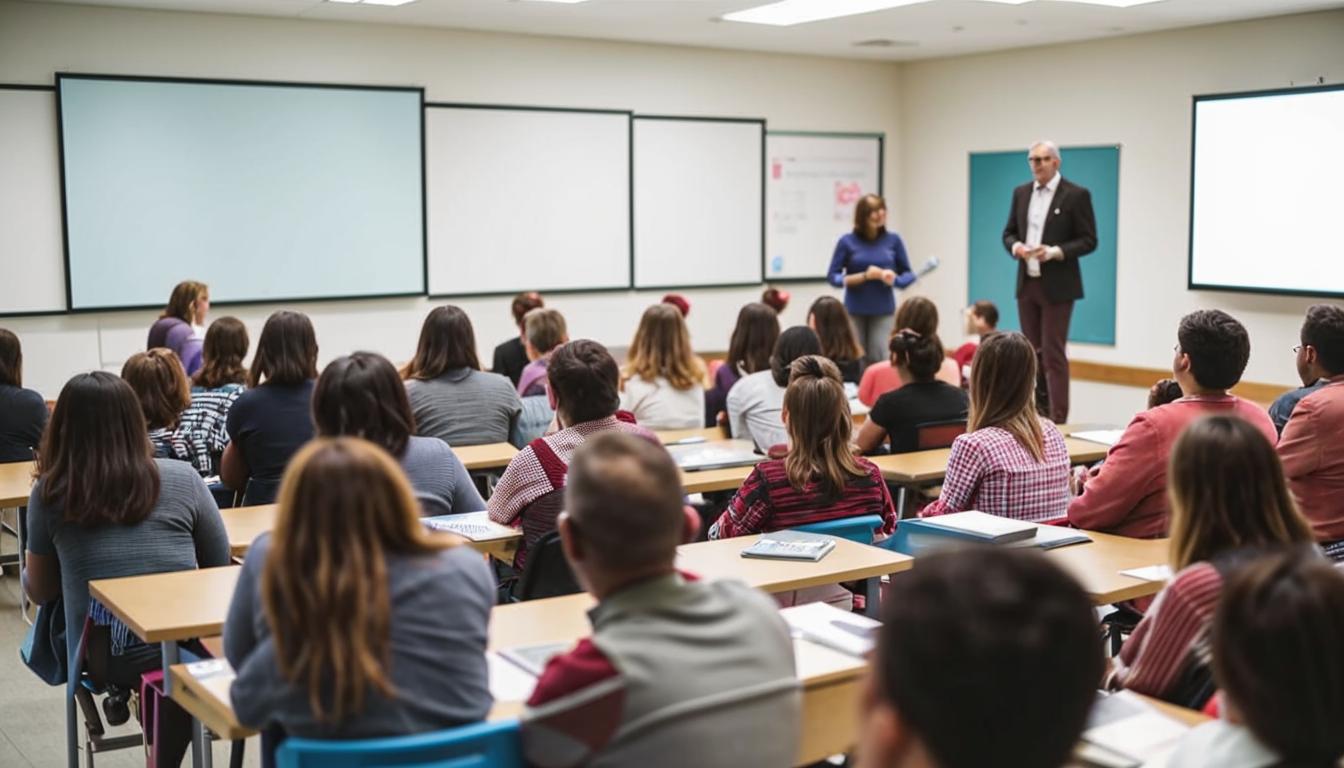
column 703, row 312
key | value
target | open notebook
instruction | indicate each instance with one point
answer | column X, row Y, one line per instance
column 715, row 454
column 1124, row 731
column 476, row 526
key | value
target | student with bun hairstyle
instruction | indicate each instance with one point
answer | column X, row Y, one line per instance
column 451, row 397
column 663, row 382
column 749, row 351
column 1229, row 503
column 1277, row 635
column 361, row 395
column 201, row 435
column 161, row 386
column 511, row 356
column 756, row 402
column 917, row 314
column 827, row 316
column 921, row 398
column 23, row 412
column 273, row 418
column 351, row 619
column 176, row 328
column 1011, row 462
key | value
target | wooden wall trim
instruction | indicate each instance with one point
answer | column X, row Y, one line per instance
column 1132, row 376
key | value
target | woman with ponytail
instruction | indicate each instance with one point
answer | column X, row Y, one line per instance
column 921, row 398
column 351, row 619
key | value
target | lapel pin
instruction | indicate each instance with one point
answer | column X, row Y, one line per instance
column 1056, row 211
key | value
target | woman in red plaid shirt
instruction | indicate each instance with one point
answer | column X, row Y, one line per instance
column 1011, row 462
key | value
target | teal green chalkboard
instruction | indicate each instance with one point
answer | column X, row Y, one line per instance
column 993, row 273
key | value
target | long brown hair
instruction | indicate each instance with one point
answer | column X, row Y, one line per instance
column 286, row 352
column 226, row 344
column 1227, row 492
column 96, row 459
column 862, row 210
column 753, row 338
column 918, row 314
column 831, row 322
column 819, row 427
column 1277, row 637
column 1003, row 388
column 662, row 347
column 447, row 342
column 161, row 385
column 361, row 395
column 182, row 302
column 344, row 507
column 11, row 359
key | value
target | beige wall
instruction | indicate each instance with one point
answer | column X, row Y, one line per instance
column 1135, row 92
column 791, row 92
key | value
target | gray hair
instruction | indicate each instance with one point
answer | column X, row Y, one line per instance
column 1050, row 147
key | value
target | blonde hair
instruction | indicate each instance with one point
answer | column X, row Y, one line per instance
column 662, row 347
column 344, row 507
column 1227, row 491
column 819, row 427
column 1003, row 391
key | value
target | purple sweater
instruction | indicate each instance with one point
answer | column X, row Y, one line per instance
column 176, row 334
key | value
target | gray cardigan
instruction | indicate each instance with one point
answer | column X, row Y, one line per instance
column 440, row 608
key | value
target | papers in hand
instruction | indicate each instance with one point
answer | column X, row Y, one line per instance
column 1123, row 731
column 1106, row 437
column 790, row 545
column 829, row 626
column 476, row 526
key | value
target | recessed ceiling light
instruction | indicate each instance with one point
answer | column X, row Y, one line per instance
column 372, row 2
column 1112, row 3
column 566, row 2
column 789, row 12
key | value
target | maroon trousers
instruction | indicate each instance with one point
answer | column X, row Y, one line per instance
column 1046, row 326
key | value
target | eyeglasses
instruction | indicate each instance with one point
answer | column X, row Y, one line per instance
column 1039, row 160
column 1300, row 347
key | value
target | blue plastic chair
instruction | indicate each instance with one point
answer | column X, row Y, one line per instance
column 482, row 745
column 857, row 529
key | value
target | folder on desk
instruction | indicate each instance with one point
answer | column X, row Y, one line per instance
column 476, row 526
column 922, row 536
column 977, row 526
column 790, row 545
column 718, row 454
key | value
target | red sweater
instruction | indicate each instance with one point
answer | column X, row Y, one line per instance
column 1127, row 495
column 1312, row 460
column 766, row 502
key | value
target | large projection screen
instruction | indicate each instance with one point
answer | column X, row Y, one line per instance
column 1264, row 201
column 265, row 191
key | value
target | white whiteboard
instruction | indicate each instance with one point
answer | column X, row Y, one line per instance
column 698, row 202
column 527, row 199
column 32, row 256
column 811, row 185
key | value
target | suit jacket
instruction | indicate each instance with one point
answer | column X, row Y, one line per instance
column 1069, row 224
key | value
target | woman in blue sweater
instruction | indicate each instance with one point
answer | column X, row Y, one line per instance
column 868, row 263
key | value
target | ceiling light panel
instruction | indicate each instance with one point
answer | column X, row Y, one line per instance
column 786, row 13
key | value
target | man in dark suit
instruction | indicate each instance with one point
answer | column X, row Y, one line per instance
column 1049, row 227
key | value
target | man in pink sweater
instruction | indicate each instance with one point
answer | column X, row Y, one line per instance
column 1309, row 446
column 1127, row 494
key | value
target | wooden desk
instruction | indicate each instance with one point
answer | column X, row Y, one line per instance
column 710, row 434
column 244, row 524
column 849, row 561
column 489, row 456
column 923, row 467
column 707, row 480
column 16, row 480
column 1097, row 566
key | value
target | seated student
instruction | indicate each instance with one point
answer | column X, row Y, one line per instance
column 1012, row 462
column 362, row 396
column 23, row 412
column 1229, row 502
column 585, row 394
column 273, row 418
column 451, row 397
column 103, row 507
column 180, row 326
column 201, row 435
column 986, row 657
column 161, row 385
column 663, row 382
column 920, row 399
column 982, row 319
column 1309, row 446
column 819, row 479
column 1126, row 494
column 511, row 356
column 828, row 318
column 775, row 298
column 1277, row 635
column 544, row 330
column 1324, row 321
column 677, row 671
column 351, row 619
column 921, row 316
column 756, row 402
column 749, row 351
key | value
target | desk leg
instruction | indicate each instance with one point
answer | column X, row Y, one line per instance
column 872, row 593
column 170, row 657
column 201, row 755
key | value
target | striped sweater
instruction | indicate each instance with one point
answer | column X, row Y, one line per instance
column 1172, row 642
column 767, row 502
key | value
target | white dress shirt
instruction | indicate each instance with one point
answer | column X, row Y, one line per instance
column 1037, row 210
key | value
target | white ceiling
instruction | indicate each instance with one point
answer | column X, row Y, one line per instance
column 929, row 29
